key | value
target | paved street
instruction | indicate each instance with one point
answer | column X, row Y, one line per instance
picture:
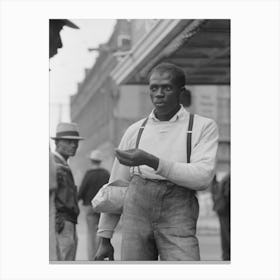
column 209, row 243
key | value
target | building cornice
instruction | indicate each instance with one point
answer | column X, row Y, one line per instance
column 162, row 30
column 93, row 85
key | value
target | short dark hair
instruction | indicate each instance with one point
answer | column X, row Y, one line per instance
column 178, row 74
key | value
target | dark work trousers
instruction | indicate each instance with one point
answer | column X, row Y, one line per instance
column 159, row 222
column 52, row 234
column 67, row 242
column 225, row 235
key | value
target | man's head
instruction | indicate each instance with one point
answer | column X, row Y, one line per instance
column 67, row 139
column 96, row 157
column 166, row 83
column 55, row 26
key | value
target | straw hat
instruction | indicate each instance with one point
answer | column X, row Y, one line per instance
column 62, row 22
column 96, row 155
column 69, row 23
column 67, row 131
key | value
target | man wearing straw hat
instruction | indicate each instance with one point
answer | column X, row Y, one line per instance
column 66, row 199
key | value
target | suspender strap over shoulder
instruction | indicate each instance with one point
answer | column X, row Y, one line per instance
column 189, row 138
column 138, row 139
column 140, row 132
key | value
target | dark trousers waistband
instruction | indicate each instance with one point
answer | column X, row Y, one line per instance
column 166, row 182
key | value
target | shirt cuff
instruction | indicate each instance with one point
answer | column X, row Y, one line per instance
column 105, row 233
column 164, row 167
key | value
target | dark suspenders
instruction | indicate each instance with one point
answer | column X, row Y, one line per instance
column 138, row 140
column 140, row 132
column 189, row 137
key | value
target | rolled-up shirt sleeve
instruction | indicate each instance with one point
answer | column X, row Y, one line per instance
column 197, row 174
column 107, row 224
column 108, row 221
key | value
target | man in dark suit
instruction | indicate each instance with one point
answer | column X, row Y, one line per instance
column 221, row 204
column 66, row 195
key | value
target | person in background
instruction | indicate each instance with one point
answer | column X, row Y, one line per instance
column 161, row 209
column 93, row 180
column 55, row 43
column 66, row 196
column 221, row 205
column 55, row 26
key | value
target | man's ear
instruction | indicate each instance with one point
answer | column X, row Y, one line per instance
column 182, row 90
column 57, row 145
column 185, row 97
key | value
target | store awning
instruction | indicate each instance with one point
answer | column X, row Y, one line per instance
column 201, row 47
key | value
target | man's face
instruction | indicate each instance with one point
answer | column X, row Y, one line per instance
column 55, row 42
column 67, row 147
column 164, row 93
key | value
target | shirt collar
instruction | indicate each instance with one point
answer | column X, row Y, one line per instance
column 95, row 167
column 182, row 113
column 60, row 157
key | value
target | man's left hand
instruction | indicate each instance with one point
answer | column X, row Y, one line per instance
column 136, row 157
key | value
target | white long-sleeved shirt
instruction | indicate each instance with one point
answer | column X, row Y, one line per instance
column 167, row 141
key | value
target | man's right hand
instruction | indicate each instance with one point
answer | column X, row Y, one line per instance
column 105, row 250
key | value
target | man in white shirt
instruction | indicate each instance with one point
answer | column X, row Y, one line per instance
column 161, row 209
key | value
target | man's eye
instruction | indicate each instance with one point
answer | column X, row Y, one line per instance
column 168, row 88
column 153, row 88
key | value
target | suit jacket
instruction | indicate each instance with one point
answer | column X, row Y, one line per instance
column 66, row 198
column 93, row 180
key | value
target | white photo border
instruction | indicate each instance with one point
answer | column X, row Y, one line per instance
column 254, row 138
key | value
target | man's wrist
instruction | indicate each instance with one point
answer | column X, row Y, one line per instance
column 153, row 162
column 105, row 240
column 105, row 233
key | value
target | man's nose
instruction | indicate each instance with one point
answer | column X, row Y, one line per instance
column 74, row 144
column 159, row 92
column 59, row 43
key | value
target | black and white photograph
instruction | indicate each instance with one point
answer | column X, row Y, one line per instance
column 139, row 139
column 151, row 118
